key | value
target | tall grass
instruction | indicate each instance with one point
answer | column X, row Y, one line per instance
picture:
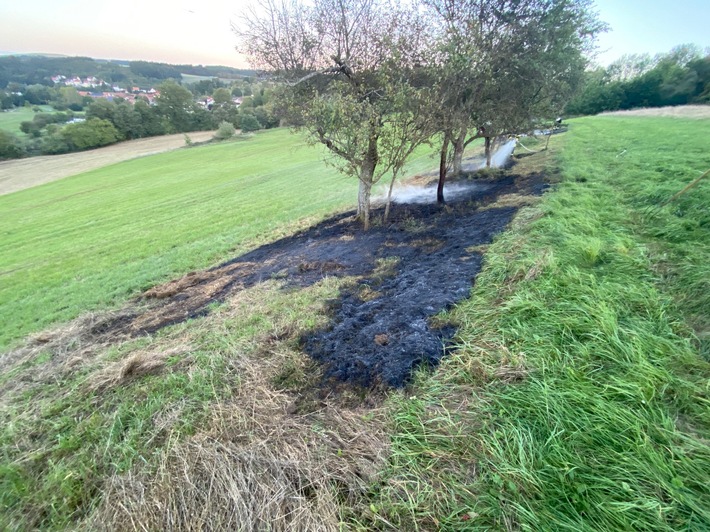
column 80, row 419
column 579, row 397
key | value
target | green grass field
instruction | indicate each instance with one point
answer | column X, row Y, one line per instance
column 91, row 241
column 192, row 78
column 10, row 120
column 578, row 399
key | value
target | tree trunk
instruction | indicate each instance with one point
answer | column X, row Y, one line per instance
column 389, row 198
column 363, row 196
column 489, row 152
column 459, row 145
column 367, row 172
column 442, row 171
column 549, row 134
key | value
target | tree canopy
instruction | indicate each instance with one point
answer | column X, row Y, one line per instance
column 372, row 79
column 679, row 77
column 347, row 67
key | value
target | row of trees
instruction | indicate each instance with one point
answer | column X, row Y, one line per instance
column 679, row 77
column 55, row 138
column 373, row 79
column 176, row 111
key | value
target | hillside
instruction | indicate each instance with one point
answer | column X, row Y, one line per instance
column 572, row 396
column 39, row 69
column 89, row 241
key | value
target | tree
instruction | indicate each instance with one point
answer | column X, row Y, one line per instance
column 101, row 108
column 150, row 120
column 344, row 83
column 70, row 97
column 499, row 65
column 10, row 147
column 93, row 133
column 679, row 77
column 127, row 121
column 224, row 109
column 249, row 123
column 222, row 96
column 175, row 104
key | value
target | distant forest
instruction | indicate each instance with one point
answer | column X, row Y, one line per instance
column 38, row 70
column 679, row 77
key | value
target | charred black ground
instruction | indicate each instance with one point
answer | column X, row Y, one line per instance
column 422, row 261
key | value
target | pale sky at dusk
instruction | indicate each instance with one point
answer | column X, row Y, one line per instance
column 199, row 31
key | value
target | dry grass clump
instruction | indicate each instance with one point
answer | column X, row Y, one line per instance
column 138, row 364
column 60, row 351
column 281, row 453
column 512, row 200
column 60, row 342
column 254, row 467
column 254, row 470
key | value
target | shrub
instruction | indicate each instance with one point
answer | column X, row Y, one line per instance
column 248, row 123
column 10, row 147
column 93, row 133
column 224, row 131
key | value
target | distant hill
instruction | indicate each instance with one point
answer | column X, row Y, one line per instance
column 39, row 69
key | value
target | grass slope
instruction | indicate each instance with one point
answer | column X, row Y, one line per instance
column 92, row 240
column 10, row 120
column 76, row 417
column 579, row 398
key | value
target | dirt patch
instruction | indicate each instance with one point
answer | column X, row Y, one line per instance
column 679, row 111
column 26, row 173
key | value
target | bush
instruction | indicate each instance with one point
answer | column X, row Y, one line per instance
column 248, row 123
column 10, row 147
column 224, row 131
column 93, row 133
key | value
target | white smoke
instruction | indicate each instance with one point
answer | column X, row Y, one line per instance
column 412, row 194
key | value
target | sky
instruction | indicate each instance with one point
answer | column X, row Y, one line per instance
column 199, row 31
column 651, row 26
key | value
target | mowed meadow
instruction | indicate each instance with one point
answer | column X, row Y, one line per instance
column 576, row 398
column 10, row 120
column 91, row 241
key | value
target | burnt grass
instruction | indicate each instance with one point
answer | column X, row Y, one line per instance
column 408, row 270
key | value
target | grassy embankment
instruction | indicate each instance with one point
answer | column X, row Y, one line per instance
column 76, row 416
column 576, row 402
column 579, row 399
column 92, row 240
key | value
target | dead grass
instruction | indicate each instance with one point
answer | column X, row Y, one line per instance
column 59, row 352
column 255, row 468
column 481, row 248
column 280, row 454
column 274, row 449
column 697, row 112
column 26, row 173
column 136, row 365
column 512, row 200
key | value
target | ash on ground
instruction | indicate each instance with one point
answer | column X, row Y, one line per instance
column 422, row 261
